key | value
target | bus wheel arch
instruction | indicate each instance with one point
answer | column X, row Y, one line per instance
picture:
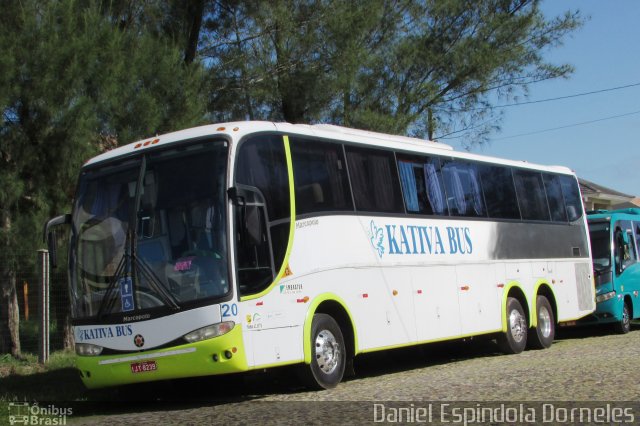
column 328, row 313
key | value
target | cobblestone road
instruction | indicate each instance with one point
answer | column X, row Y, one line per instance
column 580, row 366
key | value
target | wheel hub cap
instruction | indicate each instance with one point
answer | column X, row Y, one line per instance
column 544, row 321
column 327, row 351
column 518, row 325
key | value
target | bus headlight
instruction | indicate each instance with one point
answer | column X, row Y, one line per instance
column 87, row 349
column 605, row 296
column 209, row 332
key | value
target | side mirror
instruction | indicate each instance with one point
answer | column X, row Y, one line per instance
column 49, row 236
column 252, row 213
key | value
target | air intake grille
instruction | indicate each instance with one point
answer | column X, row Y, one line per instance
column 583, row 283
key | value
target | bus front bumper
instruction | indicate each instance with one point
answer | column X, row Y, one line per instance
column 607, row 311
column 220, row 355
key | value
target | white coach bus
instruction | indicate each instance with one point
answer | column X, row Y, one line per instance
column 249, row 245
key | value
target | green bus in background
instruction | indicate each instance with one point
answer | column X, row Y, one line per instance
column 615, row 239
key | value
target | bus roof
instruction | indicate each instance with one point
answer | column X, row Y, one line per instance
column 594, row 215
column 235, row 131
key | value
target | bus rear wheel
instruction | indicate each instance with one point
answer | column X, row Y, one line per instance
column 514, row 340
column 624, row 325
column 328, row 354
column 541, row 337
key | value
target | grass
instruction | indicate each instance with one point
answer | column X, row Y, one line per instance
column 55, row 383
column 29, row 335
column 26, row 380
column 28, row 363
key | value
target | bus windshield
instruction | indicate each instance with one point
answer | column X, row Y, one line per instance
column 149, row 233
column 600, row 235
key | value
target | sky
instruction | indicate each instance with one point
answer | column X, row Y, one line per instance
column 605, row 53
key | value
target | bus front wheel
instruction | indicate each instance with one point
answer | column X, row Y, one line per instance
column 328, row 354
column 542, row 335
column 514, row 340
column 624, row 325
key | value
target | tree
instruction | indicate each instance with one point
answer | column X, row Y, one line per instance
column 80, row 77
column 453, row 56
column 73, row 82
column 424, row 67
column 178, row 21
column 264, row 60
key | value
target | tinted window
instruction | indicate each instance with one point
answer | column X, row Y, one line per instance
column 279, row 240
column 374, row 180
column 571, row 193
column 531, row 195
column 499, row 192
column 320, row 175
column 422, row 185
column 555, row 198
column 262, row 163
column 625, row 252
column 600, row 236
column 254, row 254
column 462, row 185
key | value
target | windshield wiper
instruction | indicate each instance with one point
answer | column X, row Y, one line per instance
column 130, row 263
column 137, row 263
column 108, row 300
column 156, row 283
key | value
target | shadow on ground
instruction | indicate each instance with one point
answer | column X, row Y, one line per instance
column 63, row 387
column 581, row 332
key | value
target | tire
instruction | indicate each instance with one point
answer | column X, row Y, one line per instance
column 328, row 354
column 541, row 337
column 514, row 340
column 624, row 325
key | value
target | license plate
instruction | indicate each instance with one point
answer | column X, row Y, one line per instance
column 144, row 366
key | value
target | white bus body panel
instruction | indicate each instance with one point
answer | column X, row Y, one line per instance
column 400, row 288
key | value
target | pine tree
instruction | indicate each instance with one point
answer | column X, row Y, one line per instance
column 422, row 67
column 74, row 82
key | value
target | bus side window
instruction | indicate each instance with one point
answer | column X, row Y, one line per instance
column 499, row 192
column 320, row 175
column 374, row 179
column 262, row 207
column 571, row 193
column 255, row 270
column 619, row 250
column 422, row 187
column 555, row 199
column 625, row 248
column 531, row 195
column 463, row 188
column 633, row 255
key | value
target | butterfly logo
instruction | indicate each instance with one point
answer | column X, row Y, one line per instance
column 376, row 236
